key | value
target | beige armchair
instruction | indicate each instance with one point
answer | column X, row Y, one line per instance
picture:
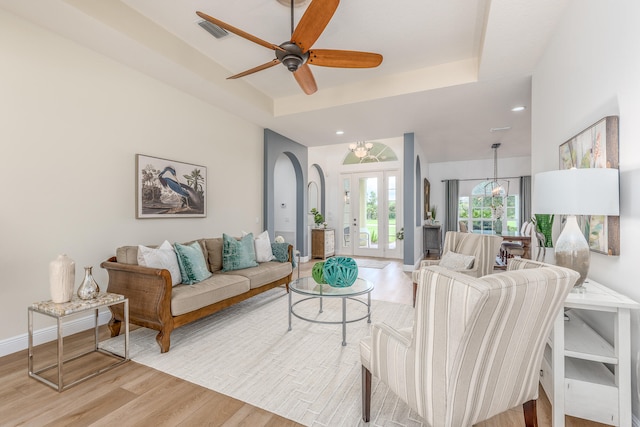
column 475, row 347
column 483, row 247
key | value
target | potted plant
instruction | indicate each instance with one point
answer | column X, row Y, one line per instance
column 318, row 218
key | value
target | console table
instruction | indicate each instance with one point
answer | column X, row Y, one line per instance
column 323, row 243
column 431, row 239
column 61, row 312
column 575, row 378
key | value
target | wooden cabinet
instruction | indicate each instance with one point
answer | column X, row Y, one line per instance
column 577, row 379
column 431, row 239
column 323, row 243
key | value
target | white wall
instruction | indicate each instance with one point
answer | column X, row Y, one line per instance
column 473, row 169
column 71, row 122
column 591, row 69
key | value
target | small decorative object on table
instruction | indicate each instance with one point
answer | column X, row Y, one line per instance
column 62, row 278
column 318, row 272
column 89, row 289
column 340, row 272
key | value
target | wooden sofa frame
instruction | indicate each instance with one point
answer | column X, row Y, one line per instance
column 149, row 293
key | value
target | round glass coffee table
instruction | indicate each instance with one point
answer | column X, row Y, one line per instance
column 308, row 287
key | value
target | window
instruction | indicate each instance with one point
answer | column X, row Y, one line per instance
column 479, row 211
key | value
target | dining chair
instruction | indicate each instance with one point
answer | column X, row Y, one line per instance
column 512, row 249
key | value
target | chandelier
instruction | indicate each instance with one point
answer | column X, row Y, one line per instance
column 495, row 188
column 361, row 149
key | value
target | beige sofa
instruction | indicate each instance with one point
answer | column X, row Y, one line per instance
column 154, row 303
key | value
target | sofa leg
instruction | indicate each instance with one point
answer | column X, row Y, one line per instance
column 164, row 341
column 114, row 327
column 530, row 414
column 366, row 394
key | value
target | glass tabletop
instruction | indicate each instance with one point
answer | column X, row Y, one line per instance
column 308, row 286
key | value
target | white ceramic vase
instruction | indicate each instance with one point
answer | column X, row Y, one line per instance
column 62, row 277
column 88, row 289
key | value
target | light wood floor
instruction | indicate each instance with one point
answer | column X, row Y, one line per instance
column 134, row 394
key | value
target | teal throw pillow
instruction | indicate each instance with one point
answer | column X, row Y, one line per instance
column 238, row 254
column 193, row 267
column 280, row 251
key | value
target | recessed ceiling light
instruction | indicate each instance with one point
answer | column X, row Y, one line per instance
column 339, row 132
column 519, row 108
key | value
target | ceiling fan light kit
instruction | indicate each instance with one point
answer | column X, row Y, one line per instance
column 292, row 56
column 296, row 54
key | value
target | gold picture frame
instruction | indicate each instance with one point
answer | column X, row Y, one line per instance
column 427, row 196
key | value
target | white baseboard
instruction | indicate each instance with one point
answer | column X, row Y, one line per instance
column 40, row 336
column 406, row 267
column 304, row 259
column 415, row 266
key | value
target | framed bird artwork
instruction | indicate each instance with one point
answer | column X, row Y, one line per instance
column 169, row 188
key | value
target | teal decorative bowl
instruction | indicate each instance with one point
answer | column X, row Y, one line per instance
column 318, row 272
column 340, row 272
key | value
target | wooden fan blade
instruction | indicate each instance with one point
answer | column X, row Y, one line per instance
column 238, row 32
column 255, row 69
column 313, row 23
column 305, row 79
column 344, row 58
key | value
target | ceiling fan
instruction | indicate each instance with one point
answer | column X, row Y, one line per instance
column 296, row 54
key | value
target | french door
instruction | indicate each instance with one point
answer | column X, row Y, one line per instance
column 370, row 209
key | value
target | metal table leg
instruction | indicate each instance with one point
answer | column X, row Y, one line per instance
column 60, row 379
column 344, row 321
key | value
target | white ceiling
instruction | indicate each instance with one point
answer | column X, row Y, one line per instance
column 451, row 71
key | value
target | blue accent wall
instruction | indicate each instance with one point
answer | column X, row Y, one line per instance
column 275, row 145
column 409, row 199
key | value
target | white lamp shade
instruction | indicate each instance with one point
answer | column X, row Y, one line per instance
column 593, row 191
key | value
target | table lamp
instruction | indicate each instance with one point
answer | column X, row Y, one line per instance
column 574, row 192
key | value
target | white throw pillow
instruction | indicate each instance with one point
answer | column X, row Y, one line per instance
column 456, row 261
column 163, row 257
column 263, row 247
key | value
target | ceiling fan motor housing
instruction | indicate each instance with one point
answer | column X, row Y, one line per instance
column 292, row 57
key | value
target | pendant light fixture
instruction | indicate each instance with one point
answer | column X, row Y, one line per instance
column 496, row 188
column 361, row 149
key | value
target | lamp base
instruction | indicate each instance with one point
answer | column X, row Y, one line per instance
column 572, row 250
column 580, row 289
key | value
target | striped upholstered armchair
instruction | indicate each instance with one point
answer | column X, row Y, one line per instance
column 475, row 347
column 483, row 248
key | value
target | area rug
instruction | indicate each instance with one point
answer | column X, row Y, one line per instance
column 371, row 263
column 304, row 374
